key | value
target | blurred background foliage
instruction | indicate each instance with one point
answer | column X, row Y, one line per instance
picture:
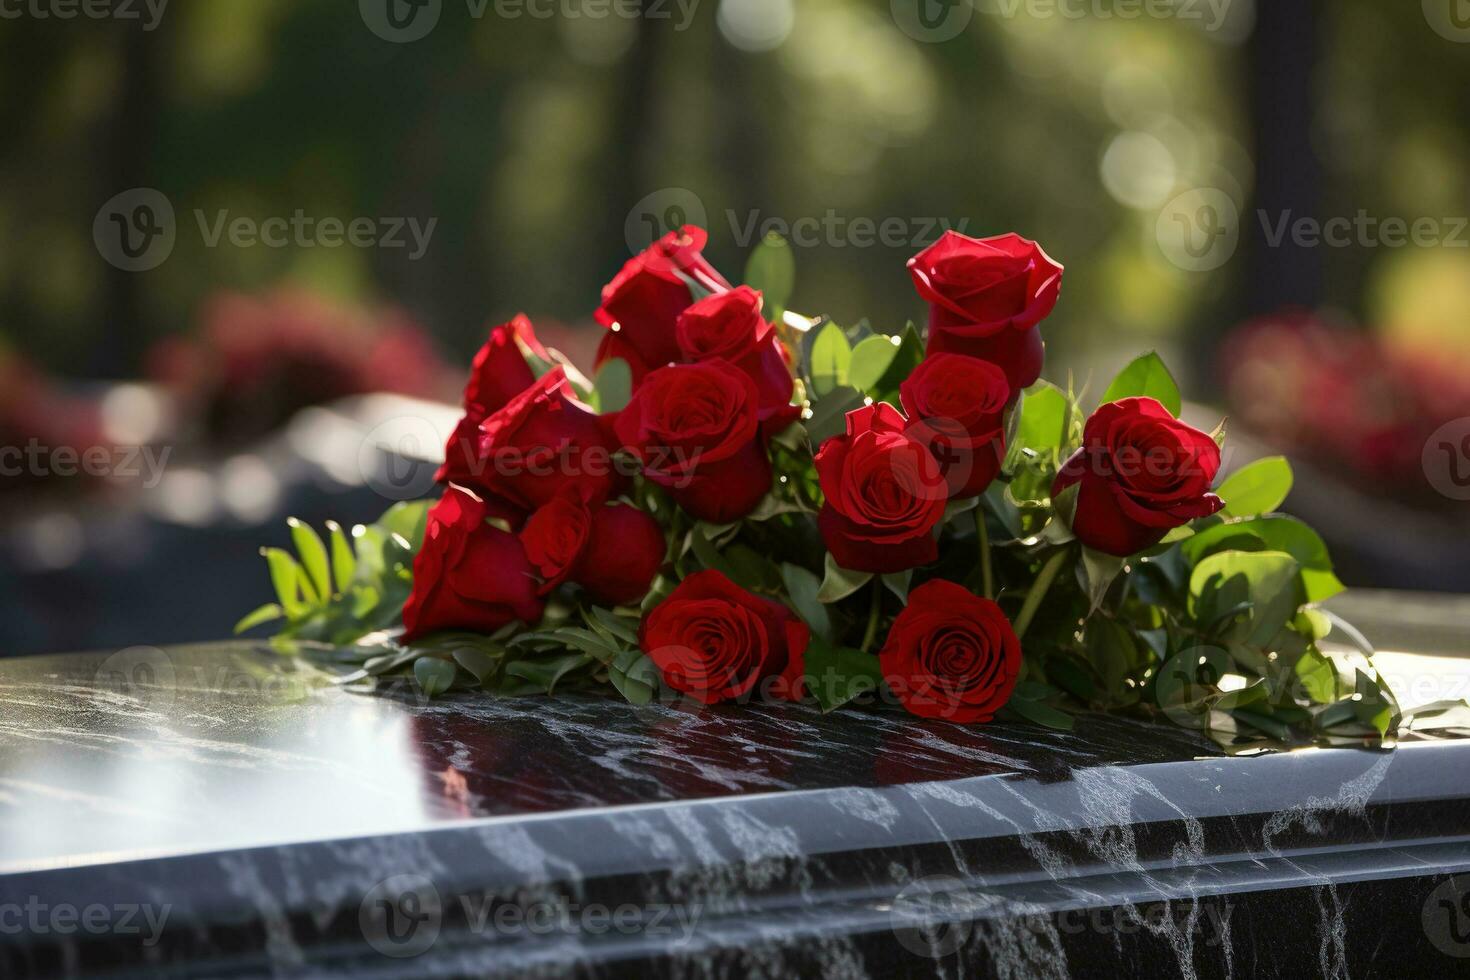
column 541, row 146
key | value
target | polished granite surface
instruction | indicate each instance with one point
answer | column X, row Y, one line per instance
column 264, row 812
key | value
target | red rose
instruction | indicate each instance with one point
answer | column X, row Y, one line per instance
column 499, row 373
column 951, row 654
column 468, row 575
column 730, row 325
column 986, row 297
column 714, row 641
column 641, row 306
column 884, row 494
column 1140, row 473
column 543, row 442
column 611, row 551
column 956, row 406
column 696, row 430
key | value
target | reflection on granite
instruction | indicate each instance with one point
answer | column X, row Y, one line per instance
column 269, row 826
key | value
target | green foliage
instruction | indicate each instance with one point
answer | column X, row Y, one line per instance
column 1146, row 377
column 771, row 270
column 1256, row 489
column 357, row 590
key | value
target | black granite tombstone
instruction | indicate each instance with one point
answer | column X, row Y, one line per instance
column 200, row 811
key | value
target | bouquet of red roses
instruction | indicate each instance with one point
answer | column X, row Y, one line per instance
column 747, row 504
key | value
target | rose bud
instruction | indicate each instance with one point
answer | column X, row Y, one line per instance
column 641, row 306
column 542, row 442
column 884, row 494
column 612, row 551
column 469, row 575
column 1140, row 473
column 696, row 431
column 951, row 654
column 499, row 373
column 986, row 296
column 956, row 406
column 730, row 326
column 714, row 641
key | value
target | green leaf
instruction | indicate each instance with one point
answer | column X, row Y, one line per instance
column 547, row 672
column 1040, row 714
column 1318, row 676
column 1100, row 570
column 1046, row 419
column 1256, row 489
column 831, row 357
column 829, row 414
column 835, row 675
column 635, row 676
column 477, row 662
column 265, row 614
column 870, row 362
column 313, row 557
column 910, row 354
column 433, row 675
column 898, row 584
column 610, row 625
column 407, row 520
column 802, row 586
column 613, row 388
column 1274, row 533
column 344, row 563
column 1146, row 377
column 840, row 583
column 771, row 270
column 1268, row 582
column 286, row 577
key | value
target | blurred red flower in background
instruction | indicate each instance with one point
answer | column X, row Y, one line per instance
column 257, row 360
column 1342, row 398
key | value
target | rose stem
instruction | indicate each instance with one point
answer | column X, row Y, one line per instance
column 984, row 533
column 874, row 611
column 1039, row 590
